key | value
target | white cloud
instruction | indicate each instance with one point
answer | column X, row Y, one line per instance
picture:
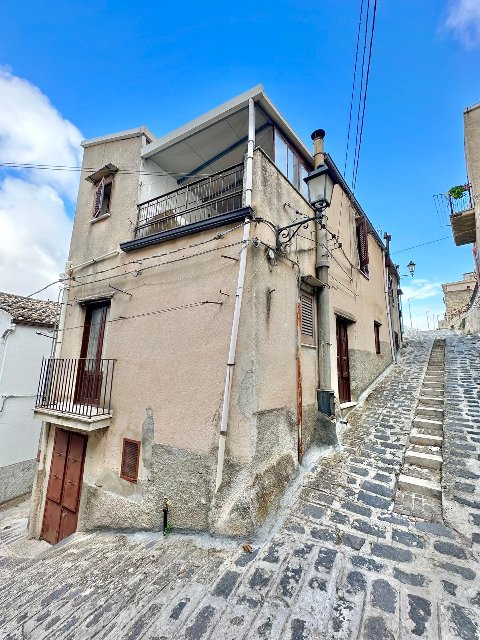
column 34, row 226
column 463, row 20
column 34, row 237
column 420, row 289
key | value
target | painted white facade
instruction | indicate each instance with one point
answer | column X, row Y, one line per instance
column 21, row 352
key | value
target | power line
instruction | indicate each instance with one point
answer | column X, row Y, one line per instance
column 46, row 167
column 218, row 236
column 421, row 245
column 153, row 266
column 362, row 76
column 354, row 181
column 145, row 314
column 353, row 88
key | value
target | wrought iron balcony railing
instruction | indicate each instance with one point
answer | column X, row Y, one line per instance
column 212, row 196
column 464, row 203
column 76, row 386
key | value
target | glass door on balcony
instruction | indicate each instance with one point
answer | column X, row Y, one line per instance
column 89, row 377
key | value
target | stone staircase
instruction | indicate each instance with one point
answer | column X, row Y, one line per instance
column 419, row 490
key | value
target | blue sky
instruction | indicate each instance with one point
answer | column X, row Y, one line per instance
column 110, row 66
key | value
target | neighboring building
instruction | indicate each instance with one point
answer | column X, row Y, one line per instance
column 465, row 211
column 26, row 333
column 457, row 297
column 184, row 317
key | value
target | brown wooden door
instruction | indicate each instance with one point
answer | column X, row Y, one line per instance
column 89, row 375
column 64, row 486
column 342, row 362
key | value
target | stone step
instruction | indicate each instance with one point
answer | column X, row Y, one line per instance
column 427, row 460
column 418, row 437
column 433, row 375
column 420, row 423
column 431, row 392
column 429, row 412
column 416, row 485
column 433, row 384
column 430, row 401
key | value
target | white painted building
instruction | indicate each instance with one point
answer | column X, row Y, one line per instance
column 22, row 321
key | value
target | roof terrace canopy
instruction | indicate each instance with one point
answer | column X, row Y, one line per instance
column 218, row 139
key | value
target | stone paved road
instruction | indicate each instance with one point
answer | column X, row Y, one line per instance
column 342, row 564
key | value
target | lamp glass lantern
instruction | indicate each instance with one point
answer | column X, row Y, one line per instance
column 411, row 267
column 320, row 185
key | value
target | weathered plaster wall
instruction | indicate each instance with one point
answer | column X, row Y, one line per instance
column 16, row 479
column 21, row 353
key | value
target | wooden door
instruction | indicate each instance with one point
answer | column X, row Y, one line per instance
column 342, row 362
column 89, row 374
column 64, row 486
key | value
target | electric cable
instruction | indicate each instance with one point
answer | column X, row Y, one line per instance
column 353, row 88
column 422, row 245
column 354, row 180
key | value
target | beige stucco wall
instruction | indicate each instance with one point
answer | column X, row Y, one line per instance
column 171, row 362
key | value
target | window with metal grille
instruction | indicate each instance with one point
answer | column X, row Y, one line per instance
column 307, row 308
column 130, row 460
column 362, row 243
column 376, row 329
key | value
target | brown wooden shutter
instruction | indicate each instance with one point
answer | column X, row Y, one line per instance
column 97, row 204
column 362, row 239
column 130, row 460
column 307, row 311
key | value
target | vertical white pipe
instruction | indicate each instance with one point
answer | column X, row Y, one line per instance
column 44, row 431
column 250, row 147
column 389, row 316
column 238, row 298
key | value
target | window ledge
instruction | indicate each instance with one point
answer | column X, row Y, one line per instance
column 104, row 217
column 365, row 275
column 308, row 346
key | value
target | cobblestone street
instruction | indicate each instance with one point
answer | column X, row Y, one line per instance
column 341, row 563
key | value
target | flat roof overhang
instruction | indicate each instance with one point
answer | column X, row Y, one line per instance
column 218, row 138
column 463, row 227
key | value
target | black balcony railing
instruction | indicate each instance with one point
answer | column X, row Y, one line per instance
column 212, row 196
column 464, row 203
column 78, row 386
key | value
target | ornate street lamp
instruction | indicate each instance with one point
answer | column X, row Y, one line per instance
column 320, row 183
column 411, row 267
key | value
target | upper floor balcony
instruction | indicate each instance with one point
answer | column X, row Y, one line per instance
column 203, row 204
column 462, row 217
column 76, row 392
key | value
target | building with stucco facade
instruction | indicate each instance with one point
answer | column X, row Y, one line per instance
column 26, row 333
column 465, row 220
column 188, row 354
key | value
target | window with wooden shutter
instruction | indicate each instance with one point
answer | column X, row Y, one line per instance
column 362, row 243
column 376, row 329
column 103, row 192
column 307, row 317
column 130, row 460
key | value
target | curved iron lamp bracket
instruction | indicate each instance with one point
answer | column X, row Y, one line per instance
column 285, row 234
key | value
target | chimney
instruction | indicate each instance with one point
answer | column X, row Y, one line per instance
column 318, row 153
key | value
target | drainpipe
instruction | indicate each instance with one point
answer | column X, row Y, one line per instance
column 389, row 315
column 5, row 335
column 322, row 264
column 238, row 298
column 56, row 352
column 299, row 375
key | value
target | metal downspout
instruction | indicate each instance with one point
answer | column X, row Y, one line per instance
column 389, row 316
column 322, row 265
column 238, row 298
column 56, row 352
